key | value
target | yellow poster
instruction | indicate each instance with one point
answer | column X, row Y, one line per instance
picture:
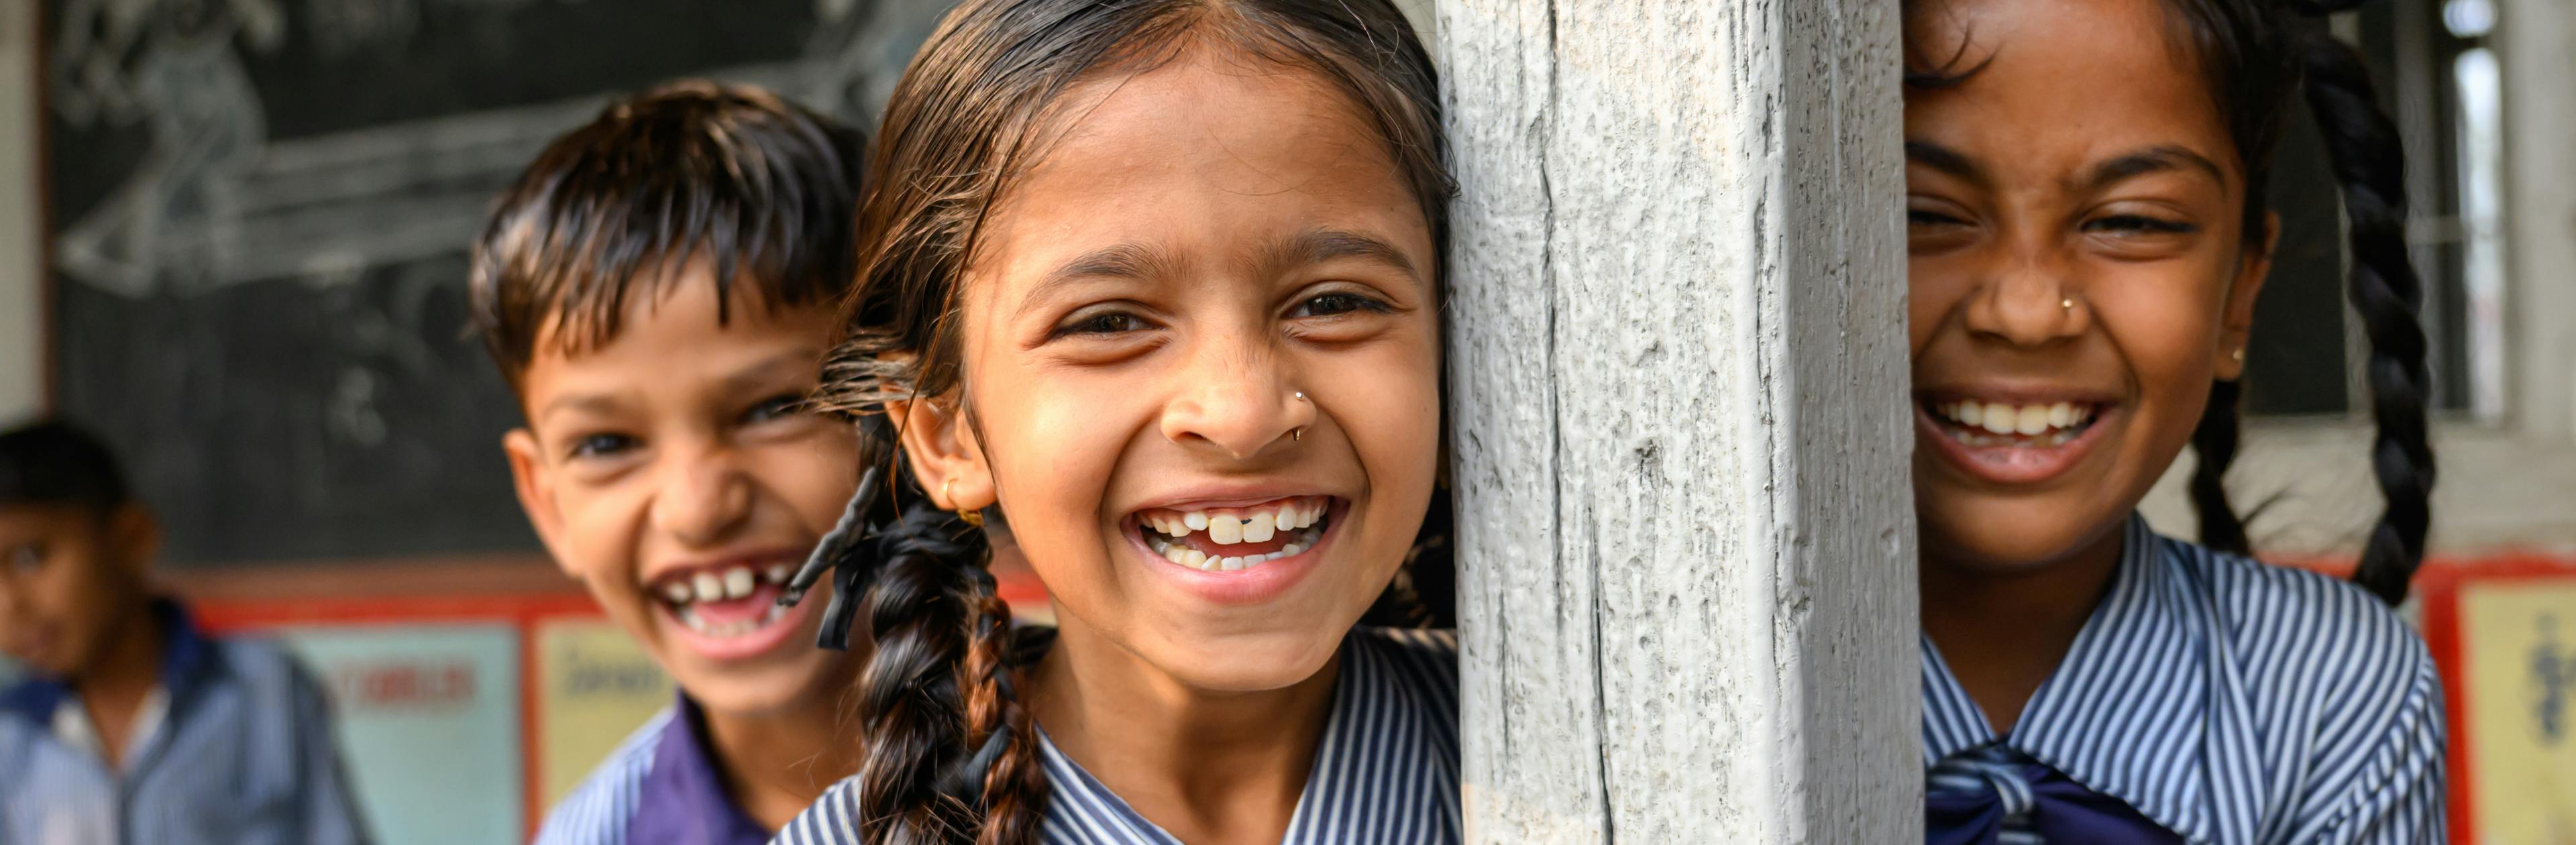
column 594, row 687
column 2518, row 644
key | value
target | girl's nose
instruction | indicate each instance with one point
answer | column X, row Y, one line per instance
column 2028, row 304
column 704, row 497
column 1236, row 401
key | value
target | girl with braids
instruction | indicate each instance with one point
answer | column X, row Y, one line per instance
column 2087, row 235
column 1150, row 290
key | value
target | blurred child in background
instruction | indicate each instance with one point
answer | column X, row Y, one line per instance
column 134, row 726
column 659, row 288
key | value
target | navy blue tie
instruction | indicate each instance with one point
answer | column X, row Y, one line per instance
column 1993, row 795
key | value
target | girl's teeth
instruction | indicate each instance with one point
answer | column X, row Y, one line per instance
column 1195, row 521
column 677, row 592
column 1225, row 530
column 1259, row 528
column 738, row 582
column 2010, row 420
column 710, row 588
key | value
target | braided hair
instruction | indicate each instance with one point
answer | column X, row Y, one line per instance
column 2258, row 55
column 952, row 756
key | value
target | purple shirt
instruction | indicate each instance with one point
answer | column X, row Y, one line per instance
column 661, row 788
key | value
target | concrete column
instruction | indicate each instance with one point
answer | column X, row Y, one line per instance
column 1680, row 421
column 2533, row 41
column 22, row 268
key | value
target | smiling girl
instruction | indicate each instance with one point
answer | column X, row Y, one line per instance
column 1153, row 287
column 2088, row 235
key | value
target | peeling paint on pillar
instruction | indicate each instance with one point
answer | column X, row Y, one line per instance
column 1678, row 390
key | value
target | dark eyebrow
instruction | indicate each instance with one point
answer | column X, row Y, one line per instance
column 758, row 375
column 1945, row 160
column 1116, row 261
column 1316, row 246
column 2155, row 159
column 593, row 403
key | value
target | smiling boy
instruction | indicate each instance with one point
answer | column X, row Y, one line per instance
column 659, row 288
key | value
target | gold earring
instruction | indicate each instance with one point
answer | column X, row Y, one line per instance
column 2239, row 354
column 1298, row 433
column 972, row 518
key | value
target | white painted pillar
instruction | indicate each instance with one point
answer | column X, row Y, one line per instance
column 1678, row 385
column 22, row 377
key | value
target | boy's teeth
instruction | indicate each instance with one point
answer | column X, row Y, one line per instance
column 738, row 582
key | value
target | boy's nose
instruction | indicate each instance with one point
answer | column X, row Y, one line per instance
column 703, row 498
column 1236, row 401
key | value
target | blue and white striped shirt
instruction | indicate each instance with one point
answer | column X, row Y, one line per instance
column 234, row 746
column 596, row 812
column 1386, row 771
column 2228, row 701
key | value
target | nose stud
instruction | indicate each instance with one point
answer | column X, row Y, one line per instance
column 1301, row 396
column 2067, row 304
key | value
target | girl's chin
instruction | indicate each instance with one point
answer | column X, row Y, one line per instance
column 1245, row 662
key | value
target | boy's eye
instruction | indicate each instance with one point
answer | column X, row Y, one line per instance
column 1100, row 323
column 1924, row 217
column 1338, row 302
column 2139, row 224
column 23, row 557
column 775, row 408
column 600, row 445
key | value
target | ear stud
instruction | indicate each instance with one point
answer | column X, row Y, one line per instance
column 969, row 516
column 2067, row 304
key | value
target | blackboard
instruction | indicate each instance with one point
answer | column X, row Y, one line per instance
column 260, row 211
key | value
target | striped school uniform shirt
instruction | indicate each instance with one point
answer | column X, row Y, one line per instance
column 233, row 745
column 1385, row 772
column 660, row 787
column 2209, row 699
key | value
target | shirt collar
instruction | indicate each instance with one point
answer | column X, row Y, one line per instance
column 1374, row 731
column 682, row 799
column 186, row 654
column 2127, row 711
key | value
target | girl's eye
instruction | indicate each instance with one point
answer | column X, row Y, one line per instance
column 601, row 445
column 775, row 408
column 2139, row 224
column 1923, row 217
column 1100, row 323
column 1338, row 302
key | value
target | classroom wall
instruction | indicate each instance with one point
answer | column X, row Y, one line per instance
column 22, row 382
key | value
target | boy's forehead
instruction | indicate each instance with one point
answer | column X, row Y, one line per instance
column 20, row 521
column 673, row 334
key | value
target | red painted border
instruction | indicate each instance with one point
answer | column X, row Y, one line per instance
column 524, row 613
column 2439, row 584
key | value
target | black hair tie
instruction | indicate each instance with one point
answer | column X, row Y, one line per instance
column 836, row 555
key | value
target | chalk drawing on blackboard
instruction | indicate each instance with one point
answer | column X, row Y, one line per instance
column 170, row 65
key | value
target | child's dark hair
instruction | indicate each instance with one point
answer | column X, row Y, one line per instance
column 51, row 462
column 754, row 185
column 951, row 756
column 2258, row 54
